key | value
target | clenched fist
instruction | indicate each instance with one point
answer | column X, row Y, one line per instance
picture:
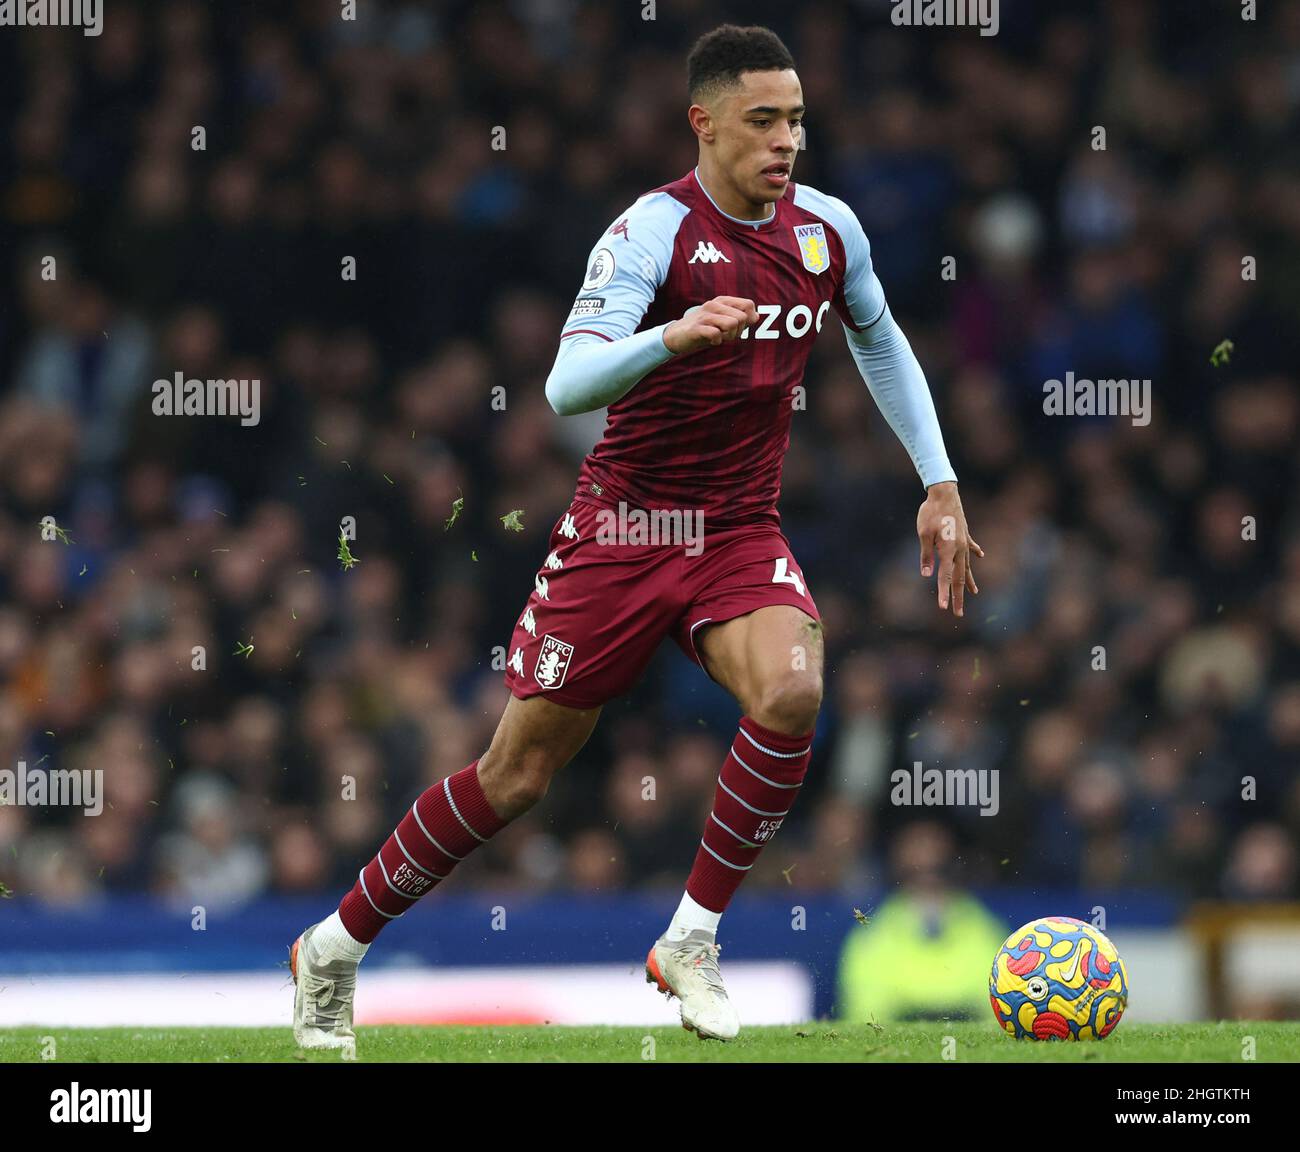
column 723, row 318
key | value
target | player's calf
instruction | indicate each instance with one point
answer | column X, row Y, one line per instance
column 757, row 786
column 446, row 823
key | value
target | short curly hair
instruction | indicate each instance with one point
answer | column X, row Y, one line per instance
column 719, row 57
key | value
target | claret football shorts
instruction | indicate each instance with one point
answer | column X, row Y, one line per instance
column 609, row 591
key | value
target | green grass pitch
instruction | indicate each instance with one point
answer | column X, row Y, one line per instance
column 816, row 1042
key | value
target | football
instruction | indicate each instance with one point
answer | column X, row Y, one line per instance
column 1058, row 978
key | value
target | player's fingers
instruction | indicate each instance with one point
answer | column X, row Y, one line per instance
column 748, row 311
column 973, row 550
column 740, row 303
column 728, row 311
column 945, row 578
column 959, row 583
column 731, row 321
column 927, row 553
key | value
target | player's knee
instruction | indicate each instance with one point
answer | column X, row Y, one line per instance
column 521, row 791
column 790, row 704
column 515, row 781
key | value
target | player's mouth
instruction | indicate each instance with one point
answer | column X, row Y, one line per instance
column 777, row 175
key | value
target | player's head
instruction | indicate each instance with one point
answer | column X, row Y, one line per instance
column 746, row 110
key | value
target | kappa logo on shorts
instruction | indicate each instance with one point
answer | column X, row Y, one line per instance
column 553, row 662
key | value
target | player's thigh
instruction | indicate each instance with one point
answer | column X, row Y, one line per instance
column 770, row 660
column 534, row 739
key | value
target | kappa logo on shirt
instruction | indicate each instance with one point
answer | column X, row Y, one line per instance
column 706, row 253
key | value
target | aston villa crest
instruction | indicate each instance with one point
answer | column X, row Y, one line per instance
column 811, row 239
column 552, row 662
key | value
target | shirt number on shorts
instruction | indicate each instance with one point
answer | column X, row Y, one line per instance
column 783, row 575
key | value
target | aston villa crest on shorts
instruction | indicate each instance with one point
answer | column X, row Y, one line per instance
column 811, row 239
column 553, row 662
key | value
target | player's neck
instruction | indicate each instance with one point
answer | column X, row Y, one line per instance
column 731, row 205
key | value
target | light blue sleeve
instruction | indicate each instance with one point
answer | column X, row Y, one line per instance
column 897, row 385
column 601, row 355
column 879, row 347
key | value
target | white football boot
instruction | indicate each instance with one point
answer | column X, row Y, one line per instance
column 688, row 969
column 322, row 1001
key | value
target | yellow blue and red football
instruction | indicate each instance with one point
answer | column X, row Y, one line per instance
column 1058, row 979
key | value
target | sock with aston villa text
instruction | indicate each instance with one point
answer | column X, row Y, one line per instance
column 444, row 825
column 757, row 786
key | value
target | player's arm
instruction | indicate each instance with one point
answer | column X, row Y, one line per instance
column 589, row 373
column 601, row 355
column 898, row 386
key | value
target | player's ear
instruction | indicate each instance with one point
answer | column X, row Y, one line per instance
column 701, row 122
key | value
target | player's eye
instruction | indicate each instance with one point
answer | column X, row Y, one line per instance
column 762, row 123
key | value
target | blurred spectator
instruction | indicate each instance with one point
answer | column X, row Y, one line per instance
column 925, row 953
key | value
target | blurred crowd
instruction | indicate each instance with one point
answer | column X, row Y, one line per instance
column 196, row 178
